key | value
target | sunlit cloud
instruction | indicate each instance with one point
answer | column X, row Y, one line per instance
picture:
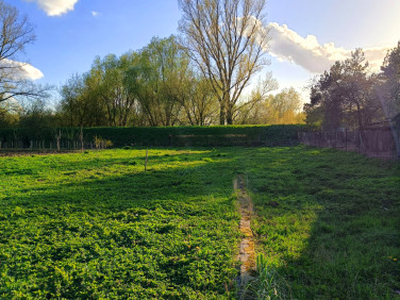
column 18, row 70
column 55, row 7
column 30, row 72
column 309, row 53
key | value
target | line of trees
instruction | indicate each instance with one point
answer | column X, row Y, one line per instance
column 155, row 86
column 160, row 86
column 203, row 77
column 350, row 96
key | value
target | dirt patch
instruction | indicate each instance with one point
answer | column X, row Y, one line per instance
column 247, row 255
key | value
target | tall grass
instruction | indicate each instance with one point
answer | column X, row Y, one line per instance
column 267, row 284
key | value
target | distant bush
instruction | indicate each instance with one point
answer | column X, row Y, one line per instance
column 101, row 143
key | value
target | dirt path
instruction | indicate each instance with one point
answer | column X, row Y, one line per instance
column 247, row 255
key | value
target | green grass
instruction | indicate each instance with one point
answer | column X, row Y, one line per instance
column 95, row 225
column 328, row 221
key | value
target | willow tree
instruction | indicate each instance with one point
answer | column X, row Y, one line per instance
column 158, row 80
column 227, row 40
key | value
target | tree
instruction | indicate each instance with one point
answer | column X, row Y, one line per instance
column 159, row 80
column 198, row 101
column 74, row 104
column 227, row 40
column 282, row 108
column 109, row 74
column 345, row 96
column 326, row 107
column 390, row 90
column 145, row 87
column 16, row 33
column 253, row 110
column 100, row 97
column 9, row 114
column 285, row 107
column 36, row 115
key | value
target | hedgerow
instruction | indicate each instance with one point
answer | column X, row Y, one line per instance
column 274, row 135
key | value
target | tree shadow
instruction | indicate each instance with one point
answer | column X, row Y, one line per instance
column 333, row 228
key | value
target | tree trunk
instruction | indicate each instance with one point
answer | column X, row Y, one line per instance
column 229, row 120
column 223, row 109
column 222, row 114
column 229, row 115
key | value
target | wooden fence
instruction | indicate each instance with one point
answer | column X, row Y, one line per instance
column 374, row 142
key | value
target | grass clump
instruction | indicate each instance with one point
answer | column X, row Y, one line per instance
column 268, row 283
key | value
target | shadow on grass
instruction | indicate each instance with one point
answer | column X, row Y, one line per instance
column 328, row 221
column 96, row 225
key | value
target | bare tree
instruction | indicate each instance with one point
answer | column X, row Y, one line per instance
column 227, row 40
column 253, row 105
column 16, row 33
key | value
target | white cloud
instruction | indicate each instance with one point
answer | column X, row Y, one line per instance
column 30, row 72
column 55, row 7
column 308, row 53
column 18, row 70
column 95, row 13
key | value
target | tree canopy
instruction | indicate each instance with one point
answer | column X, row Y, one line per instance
column 390, row 91
column 345, row 96
column 154, row 86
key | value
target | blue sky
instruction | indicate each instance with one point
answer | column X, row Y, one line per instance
column 307, row 36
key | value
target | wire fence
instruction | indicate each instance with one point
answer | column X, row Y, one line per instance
column 55, row 145
column 373, row 142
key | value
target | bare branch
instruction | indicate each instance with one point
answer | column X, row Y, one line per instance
column 226, row 39
column 15, row 33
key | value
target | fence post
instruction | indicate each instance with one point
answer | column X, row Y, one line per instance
column 145, row 163
column 335, row 140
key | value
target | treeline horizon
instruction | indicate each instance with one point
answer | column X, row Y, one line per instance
column 154, row 86
column 158, row 86
column 213, row 73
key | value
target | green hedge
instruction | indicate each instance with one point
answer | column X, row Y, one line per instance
column 273, row 135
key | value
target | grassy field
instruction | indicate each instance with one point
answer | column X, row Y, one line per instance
column 328, row 222
column 95, row 225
